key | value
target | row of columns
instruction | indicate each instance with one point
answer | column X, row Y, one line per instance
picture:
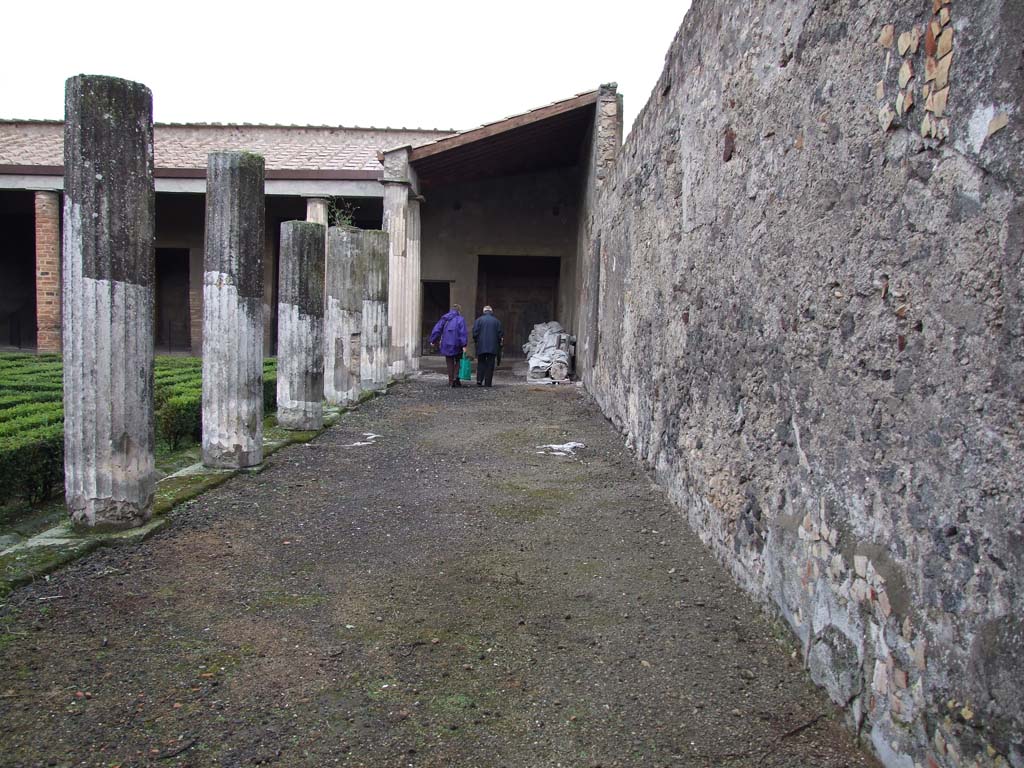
column 401, row 222
column 108, row 305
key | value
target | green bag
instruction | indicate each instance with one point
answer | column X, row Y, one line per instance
column 465, row 369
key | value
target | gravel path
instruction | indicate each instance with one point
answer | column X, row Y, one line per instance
column 439, row 595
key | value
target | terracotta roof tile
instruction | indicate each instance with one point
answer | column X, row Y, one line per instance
column 26, row 142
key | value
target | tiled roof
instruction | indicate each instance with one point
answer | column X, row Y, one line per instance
column 28, row 142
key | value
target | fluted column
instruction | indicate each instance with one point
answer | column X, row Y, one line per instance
column 233, row 311
column 414, row 285
column 376, row 345
column 108, row 302
column 300, row 326
column 396, row 210
column 343, row 314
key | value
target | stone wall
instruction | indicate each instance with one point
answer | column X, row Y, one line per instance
column 803, row 275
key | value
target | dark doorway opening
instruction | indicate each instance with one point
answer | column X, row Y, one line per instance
column 437, row 298
column 173, row 332
column 522, row 290
column 17, row 270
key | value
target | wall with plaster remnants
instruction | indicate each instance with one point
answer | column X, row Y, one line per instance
column 531, row 214
column 801, row 300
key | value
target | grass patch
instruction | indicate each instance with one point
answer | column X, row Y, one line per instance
column 528, row 503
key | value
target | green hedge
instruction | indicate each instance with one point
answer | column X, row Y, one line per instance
column 32, row 416
column 32, row 463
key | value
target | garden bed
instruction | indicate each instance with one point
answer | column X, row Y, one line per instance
column 32, row 422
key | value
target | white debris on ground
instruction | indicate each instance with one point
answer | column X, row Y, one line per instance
column 565, row 449
column 549, row 351
column 370, row 440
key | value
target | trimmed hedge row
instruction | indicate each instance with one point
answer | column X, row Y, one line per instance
column 32, row 416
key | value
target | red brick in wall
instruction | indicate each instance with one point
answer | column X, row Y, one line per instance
column 48, row 333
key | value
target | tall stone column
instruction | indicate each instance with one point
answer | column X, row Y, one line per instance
column 343, row 314
column 414, row 284
column 396, row 213
column 108, row 302
column 375, row 355
column 300, row 326
column 47, row 220
column 233, row 311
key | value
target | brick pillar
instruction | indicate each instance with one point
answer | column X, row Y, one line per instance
column 48, row 271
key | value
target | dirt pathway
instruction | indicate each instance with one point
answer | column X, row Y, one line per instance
column 440, row 595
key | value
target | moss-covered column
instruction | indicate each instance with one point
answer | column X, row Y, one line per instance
column 374, row 358
column 233, row 311
column 300, row 326
column 343, row 314
column 108, row 302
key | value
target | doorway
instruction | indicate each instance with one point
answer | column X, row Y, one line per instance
column 173, row 333
column 522, row 290
column 17, row 270
column 437, row 298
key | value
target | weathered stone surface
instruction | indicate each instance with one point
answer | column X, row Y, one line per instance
column 818, row 345
column 233, row 311
column 396, row 212
column 300, row 318
column 343, row 318
column 108, row 302
column 373, row 359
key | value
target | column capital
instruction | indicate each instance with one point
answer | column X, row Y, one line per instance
column 398, row 169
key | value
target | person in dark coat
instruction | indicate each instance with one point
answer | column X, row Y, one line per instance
column 450, row 335
column 487, row 335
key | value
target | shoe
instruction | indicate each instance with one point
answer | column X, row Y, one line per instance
column 457, row 383
column 479, row 383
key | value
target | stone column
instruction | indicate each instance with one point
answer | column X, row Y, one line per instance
column 233, row 311
column 47, row 205
column 300, row 326
column 414, row 284
column 396, row 210
column 375, row 355
column 343, row 314
column 316, row 210
column 108, row 302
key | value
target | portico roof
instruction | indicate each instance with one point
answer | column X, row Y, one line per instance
column 547, row 137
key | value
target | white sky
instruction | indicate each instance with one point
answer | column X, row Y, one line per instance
column 453, row 64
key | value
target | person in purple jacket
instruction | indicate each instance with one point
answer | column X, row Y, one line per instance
column 451, row 336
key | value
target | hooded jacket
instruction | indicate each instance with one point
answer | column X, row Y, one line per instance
column 450, row 332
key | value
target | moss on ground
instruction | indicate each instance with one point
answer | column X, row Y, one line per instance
column 30, row 563
column 177, row 489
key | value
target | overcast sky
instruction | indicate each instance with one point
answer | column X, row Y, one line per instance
column 449, row 64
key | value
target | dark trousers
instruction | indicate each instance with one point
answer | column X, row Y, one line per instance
column 485, row 368
column 452, row 362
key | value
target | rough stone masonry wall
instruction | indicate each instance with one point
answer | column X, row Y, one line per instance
column 809, row 322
